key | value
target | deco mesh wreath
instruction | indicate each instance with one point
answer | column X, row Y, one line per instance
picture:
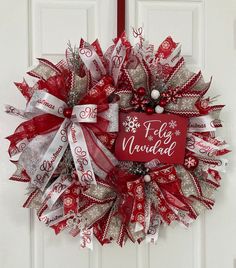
column 92, row 174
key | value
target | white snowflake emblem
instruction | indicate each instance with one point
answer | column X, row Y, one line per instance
column 139, row 191
column 167, row 170
column 68, row 201
column 113, row 231
column 139, row 206
column 177, row 132
column 140, row 218
column 171, row 177
column 190, row 162
column 187, row 104
column 171, row 217
column 172, row 124
column 166, row 45
column 150, row 138
column 163, row 209
column 131, row 124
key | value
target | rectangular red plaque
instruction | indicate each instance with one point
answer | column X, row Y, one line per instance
column 145, row 137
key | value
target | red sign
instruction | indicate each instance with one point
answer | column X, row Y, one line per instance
column 145, row 137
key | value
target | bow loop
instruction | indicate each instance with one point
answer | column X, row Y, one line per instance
column 86, row 113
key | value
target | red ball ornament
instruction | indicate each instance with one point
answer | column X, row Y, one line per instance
column 149, row 110
column 141, row 91
column 67, row 112
column 162, row 103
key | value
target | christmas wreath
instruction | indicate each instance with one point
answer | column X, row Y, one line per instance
column 115, row 145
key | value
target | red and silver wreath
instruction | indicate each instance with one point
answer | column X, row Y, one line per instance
column 115, row 145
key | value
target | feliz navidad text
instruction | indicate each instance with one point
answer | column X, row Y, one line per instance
column 145, row 137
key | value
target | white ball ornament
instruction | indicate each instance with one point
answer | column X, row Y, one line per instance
column 155, row 94
column 147, row 178
column 159, row 109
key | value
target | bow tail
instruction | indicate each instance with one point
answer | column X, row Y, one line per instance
column 71, row 199
column 114, row 228
column 136, row 190
column 48, row 162
column 102, row 159
column 164, row 209
column 173, row 205
column 80, row 155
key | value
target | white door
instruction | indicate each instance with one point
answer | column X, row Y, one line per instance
column 41, row 28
